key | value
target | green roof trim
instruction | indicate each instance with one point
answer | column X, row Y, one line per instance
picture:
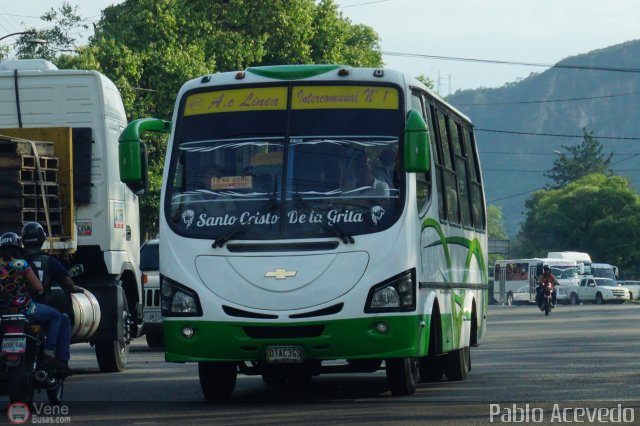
column 292, row 72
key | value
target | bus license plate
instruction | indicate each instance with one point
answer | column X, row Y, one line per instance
column 14, row 345
column 284, row 354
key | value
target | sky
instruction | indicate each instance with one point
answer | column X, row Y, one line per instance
column 531, row 31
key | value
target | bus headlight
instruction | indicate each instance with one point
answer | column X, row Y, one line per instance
column 397, row 294
column 178, row 300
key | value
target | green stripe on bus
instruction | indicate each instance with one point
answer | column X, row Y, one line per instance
column 340, row 339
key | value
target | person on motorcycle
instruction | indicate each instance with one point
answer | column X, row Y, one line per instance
column 50, row 271
column 17, row 279
column 546, row 279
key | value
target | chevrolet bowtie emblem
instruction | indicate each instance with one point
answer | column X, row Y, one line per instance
column 280, row 274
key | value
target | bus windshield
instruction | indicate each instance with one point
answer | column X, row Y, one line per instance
column 286, row 172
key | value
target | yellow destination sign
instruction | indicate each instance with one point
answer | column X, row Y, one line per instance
column 348, row 97
column 237, row 100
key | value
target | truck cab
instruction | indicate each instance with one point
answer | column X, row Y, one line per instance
column 74, row 190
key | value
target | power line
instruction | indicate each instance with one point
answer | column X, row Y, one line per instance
column 556, row 135
column 363, row 4
column 514, row 195
column 549, row 100
column 495, row 61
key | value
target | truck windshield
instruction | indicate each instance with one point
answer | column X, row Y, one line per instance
column 285, row 172
column 603, row 272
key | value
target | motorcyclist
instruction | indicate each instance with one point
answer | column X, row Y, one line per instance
column 50, row 271
column 546, row 279
column 17, row 280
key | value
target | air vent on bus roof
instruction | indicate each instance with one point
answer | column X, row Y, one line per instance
column 27, row 64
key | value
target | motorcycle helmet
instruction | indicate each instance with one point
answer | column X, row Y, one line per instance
column 33, row 235
column 10, row 239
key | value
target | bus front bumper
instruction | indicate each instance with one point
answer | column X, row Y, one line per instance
column 359, row 338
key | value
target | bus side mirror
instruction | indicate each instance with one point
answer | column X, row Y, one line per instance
column 417, row 153
column 133, row 155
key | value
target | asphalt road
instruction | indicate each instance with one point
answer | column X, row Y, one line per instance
column 576, row 364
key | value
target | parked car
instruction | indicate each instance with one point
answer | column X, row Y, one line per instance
column 633, row 287
column 600, row 290
column 150, row 267
column 520, row 296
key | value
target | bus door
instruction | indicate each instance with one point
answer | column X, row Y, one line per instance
column 503, row 276
column 533, row 283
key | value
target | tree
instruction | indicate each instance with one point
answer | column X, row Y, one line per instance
column 597, row 214
column 495, row 230
column 579, row 160
column 60, row 38
column 426, row 81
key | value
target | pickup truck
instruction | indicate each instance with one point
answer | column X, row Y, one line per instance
column 600, row 290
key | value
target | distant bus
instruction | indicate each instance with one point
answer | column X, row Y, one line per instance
column 516, row 280
column 314, row 214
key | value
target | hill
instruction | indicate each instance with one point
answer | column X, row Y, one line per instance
column 558, row 101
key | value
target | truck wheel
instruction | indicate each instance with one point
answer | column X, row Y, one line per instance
column 217, row 379
column 402, row 375
column 155, row 339
column 599, row 299
column 112, row 355
column 574, row 299
column 457, row 364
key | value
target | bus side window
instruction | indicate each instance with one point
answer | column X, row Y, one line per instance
column 450, row 184
column 439, row 169
column 462, row 172
column 477, row 209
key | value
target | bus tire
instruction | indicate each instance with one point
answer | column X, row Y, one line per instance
column 217, row 380
column 509, row 299
column 457, row 364
column 403, row 375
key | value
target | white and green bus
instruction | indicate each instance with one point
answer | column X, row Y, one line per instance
column 318, row 218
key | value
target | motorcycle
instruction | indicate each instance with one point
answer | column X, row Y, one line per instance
column 22, row 366
column 547, row 298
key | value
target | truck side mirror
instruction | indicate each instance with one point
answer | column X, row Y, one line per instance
column 417, row 152
column 133, row 155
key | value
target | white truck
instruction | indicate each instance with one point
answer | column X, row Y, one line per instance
column 601, row 290
column 76, row 193
column 585, row 265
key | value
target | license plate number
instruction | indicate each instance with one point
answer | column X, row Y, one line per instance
column 153, row 316
column 284, row 354
column 14, row 345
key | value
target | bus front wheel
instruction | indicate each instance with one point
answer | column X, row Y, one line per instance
column 217, row 379
column 403, row 375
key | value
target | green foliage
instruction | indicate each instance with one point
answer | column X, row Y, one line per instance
column 597, row 214
column 495, row 225
column 426, row 81
column 579, row 160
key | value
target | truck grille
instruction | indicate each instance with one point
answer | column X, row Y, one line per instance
column 152, row 298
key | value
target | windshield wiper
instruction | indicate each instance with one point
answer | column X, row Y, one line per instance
column 335, row 229
column 242, row 228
